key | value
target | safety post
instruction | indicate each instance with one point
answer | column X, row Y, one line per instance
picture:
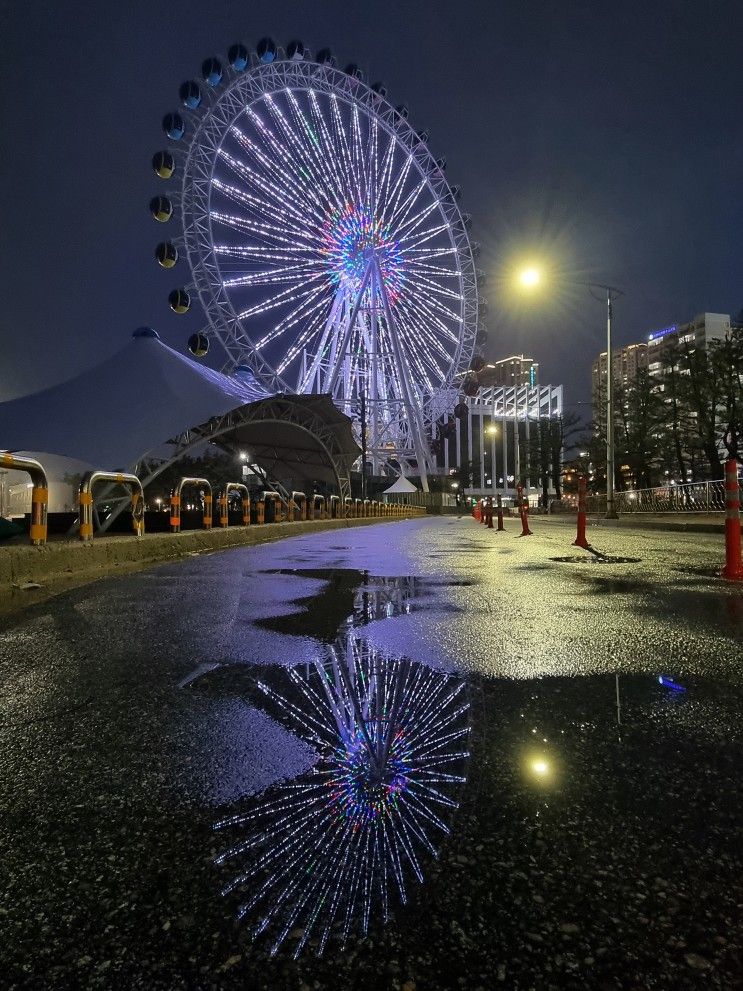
column 276, row 499
column 85, row 499
column 298, row 497
column 39, row 493
column 348, row 508
column 490, row 512
column 499, row 503
column 335, row 506
column 483, row 513
column 175, row 502
column 733, row 569
column 357, row 508
column 581, row 540
column 260, row 511
column 224, row 502
column 523, row 511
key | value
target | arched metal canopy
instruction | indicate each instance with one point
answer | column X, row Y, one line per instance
column 292, row 438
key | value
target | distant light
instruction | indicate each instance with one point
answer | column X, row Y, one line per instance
column 540, row 767
column 668, row 683
column 530, row 277
column 243, row 455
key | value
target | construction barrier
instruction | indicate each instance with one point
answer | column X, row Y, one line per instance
column 581, row 540
column 85, row 499
column 175, row 502
column 733, row 569
column 523, row 505
column 275, row 499
column 298, row 501
column 224, row 503
column 39, row 493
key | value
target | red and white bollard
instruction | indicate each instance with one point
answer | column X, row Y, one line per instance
column 490, row 513
column 733, row 569
column 500, row 514
column 581, row 540
column 483, row 512
column 523, row 511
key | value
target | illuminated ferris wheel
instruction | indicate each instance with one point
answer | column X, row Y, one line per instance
column 322, row 240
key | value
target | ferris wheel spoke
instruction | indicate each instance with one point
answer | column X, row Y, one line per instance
column 276, row 180
column 277, row 169
column 282, row 204
column 422, row 317
column 342, row 141
column 323, row 164
column 294, row 137
column 421, row 237
column 276, row 218
column 278, row 161
column 433, row 300
column 396, row 191
column 403, row 210
column 418, row 267
column 386, row 177
column 435, row 288
column 304, row 309
column 315, row 321
column 333, row 153
column 286, row 295
column 272, row 276
column 410, row 223
column 358, row 148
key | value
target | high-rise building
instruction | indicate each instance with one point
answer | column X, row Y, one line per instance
column 514, row 371
column 626, row 363
column 705, row 327
column 654, row 352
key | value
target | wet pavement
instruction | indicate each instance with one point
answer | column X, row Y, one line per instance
column 419, row 755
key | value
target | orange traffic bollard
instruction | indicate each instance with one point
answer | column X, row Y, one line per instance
column 581, row 540
column 500, row 514
column 523, row 511
column 490, row 513
column 733, row 569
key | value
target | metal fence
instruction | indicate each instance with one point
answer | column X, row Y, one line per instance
column 693, row 497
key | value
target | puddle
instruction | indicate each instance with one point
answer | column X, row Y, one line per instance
column 327, row 854
column 355, row 598
column 597, row 559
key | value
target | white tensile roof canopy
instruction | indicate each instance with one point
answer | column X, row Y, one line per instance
column 110, row 415
column 402, row 485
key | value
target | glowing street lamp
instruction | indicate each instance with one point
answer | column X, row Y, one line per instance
column 531, row 277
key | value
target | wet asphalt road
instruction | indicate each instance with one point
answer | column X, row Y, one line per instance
column 594, row 846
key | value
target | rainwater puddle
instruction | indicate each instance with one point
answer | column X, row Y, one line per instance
column 596, row 559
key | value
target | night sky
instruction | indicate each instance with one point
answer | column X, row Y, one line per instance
column 603, row 136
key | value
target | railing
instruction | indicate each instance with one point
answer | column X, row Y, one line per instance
column 224, row 503
column 85, row 498
column 175, row 502
column 39, row 493
column 691, row 497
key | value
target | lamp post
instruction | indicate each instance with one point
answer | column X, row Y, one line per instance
column 531, row 278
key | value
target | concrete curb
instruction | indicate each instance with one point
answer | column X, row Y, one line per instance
column 61, row 565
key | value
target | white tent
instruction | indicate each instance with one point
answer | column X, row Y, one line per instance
column 131, row 403
column 401, row 487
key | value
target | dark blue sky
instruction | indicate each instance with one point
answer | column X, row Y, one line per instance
column 605, row 135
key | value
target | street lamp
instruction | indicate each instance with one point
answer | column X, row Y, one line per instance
column 530, row 278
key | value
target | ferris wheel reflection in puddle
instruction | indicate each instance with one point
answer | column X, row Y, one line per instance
column 329, row 851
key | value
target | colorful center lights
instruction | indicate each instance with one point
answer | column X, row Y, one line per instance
column 351, row 239
column 369, row 773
